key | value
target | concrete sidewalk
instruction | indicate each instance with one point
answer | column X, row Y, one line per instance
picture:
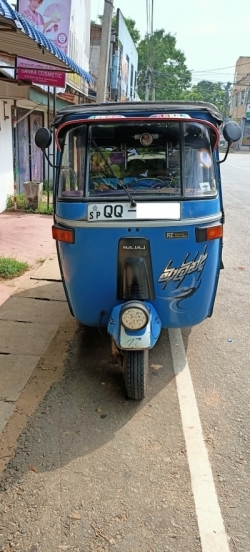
column 33, row 306
column 26, row 238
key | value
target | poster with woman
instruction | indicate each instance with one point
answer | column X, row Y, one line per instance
column 246, row 134
column 53, row 20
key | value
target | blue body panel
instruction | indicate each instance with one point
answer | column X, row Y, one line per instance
column 90, row 271
column 185, row 272
column 190, row 208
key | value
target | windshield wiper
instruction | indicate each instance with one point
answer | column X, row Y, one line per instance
column 133, row 203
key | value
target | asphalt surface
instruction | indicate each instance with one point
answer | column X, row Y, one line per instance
column 94, row 472
column 218, row 352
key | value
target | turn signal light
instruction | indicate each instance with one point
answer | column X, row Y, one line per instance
column 209, row 233
column 63, row 234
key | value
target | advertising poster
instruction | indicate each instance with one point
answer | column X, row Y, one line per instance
column 124, row 82
column 79, row 42
column 53, row 20
column 246, row 134
column 124, row 79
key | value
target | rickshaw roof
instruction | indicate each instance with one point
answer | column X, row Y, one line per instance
column 136, row 109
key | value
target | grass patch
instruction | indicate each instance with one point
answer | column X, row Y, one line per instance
column 10, row 268
column 44, row 210
column 20, row 200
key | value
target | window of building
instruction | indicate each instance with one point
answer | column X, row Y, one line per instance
column 135, row 85
column 127, row 85
column 131, row 82
column 242, row 97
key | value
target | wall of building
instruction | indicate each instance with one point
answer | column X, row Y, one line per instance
column 241, row 88
column 6, row 155
column 240, row 100
column 94, row 59
column 95, row 44
column 125, row 66
column 27, row 98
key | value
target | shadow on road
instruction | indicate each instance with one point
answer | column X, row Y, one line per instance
column 85, row 410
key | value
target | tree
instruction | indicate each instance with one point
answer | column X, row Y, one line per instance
column 216, row 93
column 164, row 65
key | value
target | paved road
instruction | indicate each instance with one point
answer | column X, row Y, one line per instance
column 94, row 472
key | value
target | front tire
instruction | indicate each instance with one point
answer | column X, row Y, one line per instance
column 135, row 370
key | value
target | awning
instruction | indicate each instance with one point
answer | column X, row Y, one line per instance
column 19, row 39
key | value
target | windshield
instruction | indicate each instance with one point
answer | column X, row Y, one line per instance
column 147, row 158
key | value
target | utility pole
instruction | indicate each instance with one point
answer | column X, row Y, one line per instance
column 104, row 52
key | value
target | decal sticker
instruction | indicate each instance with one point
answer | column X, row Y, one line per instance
column 107, row 117
column 146, row 139
column 170, row 116
column 205, row 158
column 170, row 274
column 176, row 235
column 205, row 187
column 181, row 294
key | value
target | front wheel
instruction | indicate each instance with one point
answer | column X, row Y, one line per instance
column 135, row 371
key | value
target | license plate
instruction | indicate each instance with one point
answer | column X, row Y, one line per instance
column 124, row 211
column 111, row 211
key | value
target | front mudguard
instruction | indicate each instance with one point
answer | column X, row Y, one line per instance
column 136, row 339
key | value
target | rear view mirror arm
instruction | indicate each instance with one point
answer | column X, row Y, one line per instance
column 227, row 152
column 48, row 159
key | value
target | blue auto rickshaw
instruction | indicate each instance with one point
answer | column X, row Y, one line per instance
column 139, row 219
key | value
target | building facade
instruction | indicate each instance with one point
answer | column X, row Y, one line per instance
column 240, row 100
column 32, row 105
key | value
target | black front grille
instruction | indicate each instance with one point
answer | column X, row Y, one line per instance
column 135, row 279
column 135, row 292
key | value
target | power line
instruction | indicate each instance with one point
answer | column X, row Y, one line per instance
column 222, row 68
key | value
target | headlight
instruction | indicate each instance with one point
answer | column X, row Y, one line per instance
column 134, row 318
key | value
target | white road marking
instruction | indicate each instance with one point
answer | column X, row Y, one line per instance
column 211, row 526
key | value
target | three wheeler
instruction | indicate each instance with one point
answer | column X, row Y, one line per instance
column 138, row 219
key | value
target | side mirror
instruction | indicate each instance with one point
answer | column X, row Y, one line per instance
column 232, row 133
column 43, row 138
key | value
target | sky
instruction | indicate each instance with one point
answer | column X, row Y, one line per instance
column 213, row 34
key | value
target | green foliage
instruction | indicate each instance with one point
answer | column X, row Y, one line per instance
column 47, row 184
column 44, row 210
column 163, row 66
column 216, row 93
column 10, row 268
column 191, row 96
column 169, row 73
column 21, row 205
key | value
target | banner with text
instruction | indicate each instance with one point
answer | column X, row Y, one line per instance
column 53, row 20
